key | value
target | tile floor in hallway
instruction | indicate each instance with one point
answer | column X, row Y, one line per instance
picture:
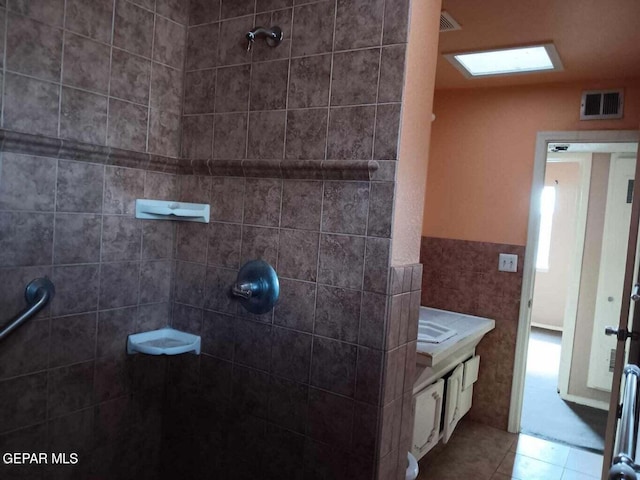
column 480, row 452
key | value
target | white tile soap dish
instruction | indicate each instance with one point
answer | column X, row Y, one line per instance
column 165, row 341
column 166, row 210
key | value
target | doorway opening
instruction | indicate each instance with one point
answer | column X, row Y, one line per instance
column 573, row 271
column 565, row 422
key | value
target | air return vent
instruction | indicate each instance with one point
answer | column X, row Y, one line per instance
column 601, row 104
column 447, row 23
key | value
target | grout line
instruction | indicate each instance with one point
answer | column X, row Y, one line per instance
column 212, row 127
column 286, row 99
column 184, row 82
column 384, row 16
column 140, row 260
column 315, row 300
column 261, row 12
column 153, row 69
column 73, row 87
column 137, row 55
column 55, row 212
column 251, row 74
column 113, row 28
column 104, row 188
column 251, row 318
column 62, row 55
column 293, row 57
column 4, row 65
column 210, row 114
column 332, row 53
column 206, row 258
column 284, row 147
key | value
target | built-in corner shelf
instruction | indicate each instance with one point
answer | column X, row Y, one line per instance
column 168, row 210
column 165, row 341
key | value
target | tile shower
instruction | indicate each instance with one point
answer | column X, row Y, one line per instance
column 295, row 148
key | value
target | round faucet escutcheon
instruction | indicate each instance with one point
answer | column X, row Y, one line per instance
column 257, row 287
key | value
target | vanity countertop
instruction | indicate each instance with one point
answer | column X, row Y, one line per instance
column 469, row 331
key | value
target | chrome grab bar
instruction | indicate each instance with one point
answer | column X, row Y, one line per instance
column 623, row 466
column 37, row 294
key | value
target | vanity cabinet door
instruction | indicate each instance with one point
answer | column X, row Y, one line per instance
column 428, row 410
column 454, row 408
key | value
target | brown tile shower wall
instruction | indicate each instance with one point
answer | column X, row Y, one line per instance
column 401, row 333
column 331, row 366
column 330, row 91
column 299, row 392
column 66, row 383
column 104, row 72
column 310, row 391
column 100, row 80
column 462, row 276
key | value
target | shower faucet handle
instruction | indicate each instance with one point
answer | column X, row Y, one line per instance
column 242, row 290
column 257, row 287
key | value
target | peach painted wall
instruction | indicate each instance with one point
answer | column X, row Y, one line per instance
column 482, row 153
column 417, row 108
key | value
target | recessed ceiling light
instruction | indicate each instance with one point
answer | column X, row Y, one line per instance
column 506, row 61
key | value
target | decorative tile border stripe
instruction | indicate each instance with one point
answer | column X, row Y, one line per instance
column 298, row 169
column 17, row 142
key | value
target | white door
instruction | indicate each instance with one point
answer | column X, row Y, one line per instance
column 612, row 270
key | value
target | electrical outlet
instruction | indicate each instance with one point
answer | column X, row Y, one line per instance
column 508, row 262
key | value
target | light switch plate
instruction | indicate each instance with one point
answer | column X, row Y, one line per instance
column 508, row 262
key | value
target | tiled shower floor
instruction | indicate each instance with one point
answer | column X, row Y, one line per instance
column 479, row 452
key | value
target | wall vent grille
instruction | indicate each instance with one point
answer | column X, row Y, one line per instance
column 602, row 104
column 447, row 22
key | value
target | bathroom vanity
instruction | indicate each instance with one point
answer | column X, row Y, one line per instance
column 445, row 374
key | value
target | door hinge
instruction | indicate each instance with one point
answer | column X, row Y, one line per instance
column 619, row 411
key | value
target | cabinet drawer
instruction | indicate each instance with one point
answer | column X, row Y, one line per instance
column 470, row 375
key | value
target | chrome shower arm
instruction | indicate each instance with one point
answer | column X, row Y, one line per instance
column 273, row 35
column 263, row 32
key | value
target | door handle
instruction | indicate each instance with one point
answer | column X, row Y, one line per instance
column 621, row 335
column 635, row 294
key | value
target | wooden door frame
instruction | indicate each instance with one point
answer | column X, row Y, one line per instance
column 524, row 322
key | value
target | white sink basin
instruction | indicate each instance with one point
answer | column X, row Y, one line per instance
column 436, row 359
column 469, row 331
column 431, row 332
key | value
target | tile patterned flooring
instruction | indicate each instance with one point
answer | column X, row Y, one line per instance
column 480, row 452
